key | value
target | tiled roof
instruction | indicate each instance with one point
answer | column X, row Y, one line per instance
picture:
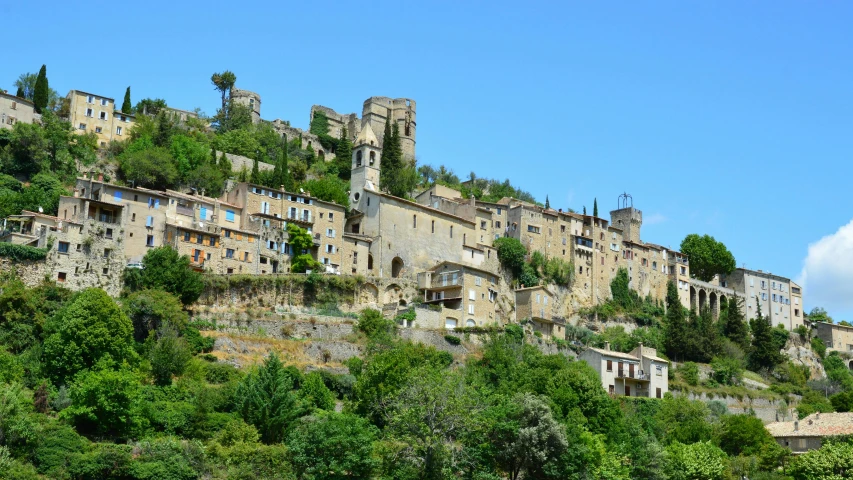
column 615, row 354
column 815, row 425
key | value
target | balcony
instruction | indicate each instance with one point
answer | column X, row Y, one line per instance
column 304, row 219
column 316, row 239
column 643, row 377
column 184, row 210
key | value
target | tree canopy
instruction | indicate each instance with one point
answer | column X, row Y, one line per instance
column 707, row 257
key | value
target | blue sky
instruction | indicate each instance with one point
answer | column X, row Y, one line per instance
column 726, row 118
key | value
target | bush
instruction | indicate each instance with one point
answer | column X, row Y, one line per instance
column 21, row 253
column 375, row 326
column 452, row 339
column 819, row 347
column 727, row 371
column 690, row 373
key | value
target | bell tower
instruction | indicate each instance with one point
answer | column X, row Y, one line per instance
column 366, row 162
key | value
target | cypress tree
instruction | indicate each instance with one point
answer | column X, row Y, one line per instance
column 40, row 95
column 392, row 160
column 343, row 155
column 386, row 135
column 256, row 173
column 547, row 203
column 584, row 209
column 126, row 106
column 595, row 207
column 20, row 92
column 224, row 165
column 676, row 326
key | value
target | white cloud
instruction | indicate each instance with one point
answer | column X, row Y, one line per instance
column 654, row 219
column 827, row 276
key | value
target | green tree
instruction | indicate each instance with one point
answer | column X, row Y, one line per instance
column 223, row 82
column 26, row 85
column 315, row 393
column 818, row 314
column 256, row 174
column 151, row 167
column 17, row 425
column 547, row 203
column 164, row 268
column 511, row 254
column 41, row 92
column 735, row 327
column 708, row 257
column 621, row 291
column 727, row 370
column 266, row 400
column 343, row 155
column 833, row 461
column 595, row 207
column 224, row 165
column 681, row 420
column 319, row 123
column 151, row 310
column 425, row 418
column 329, row 189
column 150, row 106
column 333, row 446
column 746, row 435
column 91, row 328
column 104, row 401
column 169, row 356
column 526, row 437
column 375, row 326
column 301, row 243
column 126, row 106
column 764, row 353
column 696, row 461
column 392, row 161
column 676, row 324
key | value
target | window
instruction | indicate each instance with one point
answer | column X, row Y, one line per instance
column 482, row 224
column 227, row 233
column 330, row 232
column 199, row 238
column 451, row 231
column 149, row 221
column 107, row 252
column 149, row 241
column 153, row 203
column 90, row 112
column 499, row 210
column 109, row 233
column 60, row 277
column 229, row 253
column 98, row 130
column 186, row 236
column 414, row 221
column 245, row 256
column 471, row 309
column 102, row 115
column 610, row 368
column 478, row 281
column 14, row 105
column 212, row 241
column 82, row 126
column 657, row 392
column 90, row 99
column 118, row 130
column 659, row 370
column 533, row 229
column 104, row 102
column 472, row 295
column 330, row 249
column 63, row 247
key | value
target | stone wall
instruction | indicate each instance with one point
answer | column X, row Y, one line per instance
column 767, row 410
column 239, row 161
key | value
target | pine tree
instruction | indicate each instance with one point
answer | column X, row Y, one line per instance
column 547, row 203
column 126, row 106
column 256, row 173
column 584, row 209
column 20, row 93
column 595, row 207
column 734, row 325
column 213, row 157
column 676, row 325
column 764, row 353
column 42, row 90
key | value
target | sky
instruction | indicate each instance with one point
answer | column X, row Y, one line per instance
column 726, row 118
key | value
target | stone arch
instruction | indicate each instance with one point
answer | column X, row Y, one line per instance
column 402, row 302
column 321, row 154
column 723, row 300
column 397, row 266
column 358, row 158
column 372, row 157
column 369, row 259
column 693, row 297
column 393, row 293
column 451, row 323
column 713, row 304
column 470, row 323
column 369, row 293
column 703, row 299
column 851, row 364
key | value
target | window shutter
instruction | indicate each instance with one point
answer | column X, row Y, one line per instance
column 223, row 253
column 156, row 203
column 203, row 213
column 149, row 221
column 117, row 196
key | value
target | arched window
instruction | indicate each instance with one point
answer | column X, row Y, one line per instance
column 372, row 157
column 396, row 267
column 321, row 154
column 369, row 261
column 358, row 158
column 470, row 323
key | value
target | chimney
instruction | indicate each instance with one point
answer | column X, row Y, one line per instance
column 100, row 177
column 796, row 425
column 607, row 346
column 76, row 193
column 640, row 348
column 473, row 201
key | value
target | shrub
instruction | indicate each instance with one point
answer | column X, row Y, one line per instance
column 21, row 253
column 375, row 326
column 818, row 347
column 452, row 339
column 690, row 373
column 726, row 370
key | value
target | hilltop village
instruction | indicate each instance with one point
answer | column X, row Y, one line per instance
column 438, row 241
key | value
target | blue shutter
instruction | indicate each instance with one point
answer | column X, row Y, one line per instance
column 156, row 203
column 203, row 213
column 229, row 215
column 117, row 196
column 149, row 222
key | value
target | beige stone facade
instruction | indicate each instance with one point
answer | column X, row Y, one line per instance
column 97, row 113
column 14, row 110
column 640, row 373
column 810, row 432
column 835, row 337
column 540, row 306
column 773, row 293
column 468, row 296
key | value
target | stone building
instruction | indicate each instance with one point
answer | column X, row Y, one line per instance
column 248, row 99
column 96, row 113
column 836, row 337
column 14, row 109
column 640, row 373
column 466, row 295
column 541, row 308
column 772, row 292
column 809, row 433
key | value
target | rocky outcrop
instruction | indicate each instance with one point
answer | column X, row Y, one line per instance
column 799, row 350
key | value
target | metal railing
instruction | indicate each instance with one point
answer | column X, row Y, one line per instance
column 634, row 375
